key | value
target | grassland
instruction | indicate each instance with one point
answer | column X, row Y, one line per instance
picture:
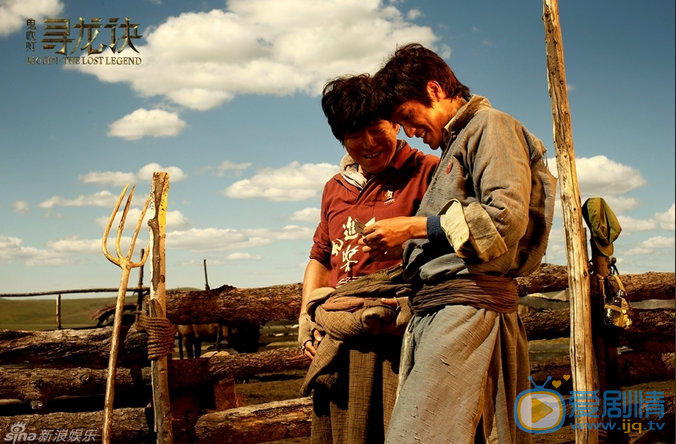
column 40, row 314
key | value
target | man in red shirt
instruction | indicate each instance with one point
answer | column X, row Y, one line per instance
column 380, row 177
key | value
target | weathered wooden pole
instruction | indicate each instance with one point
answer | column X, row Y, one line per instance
column 157, row 307
column 206, row 277
column 58, row 311
column 581, row 351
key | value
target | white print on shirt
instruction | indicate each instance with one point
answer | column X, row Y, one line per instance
column 347, row 258
column 336, row 246
column 348, row 249
column 349, row 230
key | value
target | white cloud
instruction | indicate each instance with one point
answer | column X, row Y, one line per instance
column 242, row 257
column 20, row 207
column 14, row 13
column 654, row 245
column 119, row 178
column 414, row 14
column 115, row 178
column 100, row 199
column 306, row 215
column 293, row 182
column 217, row 239
column 619, row 204
column 238, row 168
column 600, row 176
column 62, row 251
column 666, row 219
column 143, row 122
column 202, row 59
column 175, row 173
column 630, row 225
column 73, row 244
column 12, row 249
column 175, row 219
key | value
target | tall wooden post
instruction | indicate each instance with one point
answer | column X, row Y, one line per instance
column 157, row 306
column 581, row 350
column 58, row 311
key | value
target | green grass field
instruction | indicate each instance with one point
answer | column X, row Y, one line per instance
column 40, row 314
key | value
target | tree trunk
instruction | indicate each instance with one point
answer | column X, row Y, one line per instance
column 229, row 305
column 258, row 423
column 650, row 327
column 653, row 330
column 39, row 385
column 130, row 427
column 256, row 306
column 640, row 287
column 74, row 348
column 280, row 420
column 192, row 372
column 633, row 368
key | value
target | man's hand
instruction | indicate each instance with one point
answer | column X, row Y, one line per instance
column 384, row 240
column 310, row 350
column 308, row 335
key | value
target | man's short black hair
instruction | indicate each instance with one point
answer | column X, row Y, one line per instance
column 347, row 105
column 405, row 76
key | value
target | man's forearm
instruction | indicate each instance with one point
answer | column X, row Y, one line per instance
column 316, row 276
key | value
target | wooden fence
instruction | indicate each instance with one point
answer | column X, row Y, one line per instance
column 39, row 367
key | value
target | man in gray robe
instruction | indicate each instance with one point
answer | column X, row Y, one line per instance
column 484, row 220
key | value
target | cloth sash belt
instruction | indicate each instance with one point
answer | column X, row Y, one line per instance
column 495, row 293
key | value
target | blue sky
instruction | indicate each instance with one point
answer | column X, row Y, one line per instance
column 226, row 99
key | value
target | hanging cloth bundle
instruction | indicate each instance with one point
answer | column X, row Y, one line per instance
column 603, row 224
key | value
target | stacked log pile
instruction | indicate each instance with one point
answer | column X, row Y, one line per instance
column 72, row 362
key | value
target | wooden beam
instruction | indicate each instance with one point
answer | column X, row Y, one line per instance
column 130, row 426
column 158, row 306
column 581, row 350
column 192, row 372
column 257, row 306
column 71, row 347
column 37, row 386
column 257, row 423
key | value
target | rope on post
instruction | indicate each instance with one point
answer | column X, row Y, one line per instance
column 161, row 333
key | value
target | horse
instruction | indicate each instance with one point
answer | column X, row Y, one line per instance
column 242, row 337
column 192, row 336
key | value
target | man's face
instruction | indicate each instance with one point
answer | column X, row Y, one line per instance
column 418, row 120
column 373, row 147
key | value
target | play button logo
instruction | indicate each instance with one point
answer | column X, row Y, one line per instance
column 539, row 410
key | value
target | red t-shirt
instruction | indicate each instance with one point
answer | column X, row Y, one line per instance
column 396, row 191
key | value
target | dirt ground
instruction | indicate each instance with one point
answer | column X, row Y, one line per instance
column 266, row 388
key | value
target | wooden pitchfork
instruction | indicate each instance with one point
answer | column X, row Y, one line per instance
column 126, row 264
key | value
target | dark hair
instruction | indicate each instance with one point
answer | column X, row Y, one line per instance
column 347, row 105
column 405, row 75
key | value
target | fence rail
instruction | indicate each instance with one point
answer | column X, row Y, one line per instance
column 81, row 290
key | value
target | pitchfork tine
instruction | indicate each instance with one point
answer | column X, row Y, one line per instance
column 123, row 219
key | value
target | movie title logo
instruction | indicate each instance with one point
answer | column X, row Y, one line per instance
column 65, row 40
